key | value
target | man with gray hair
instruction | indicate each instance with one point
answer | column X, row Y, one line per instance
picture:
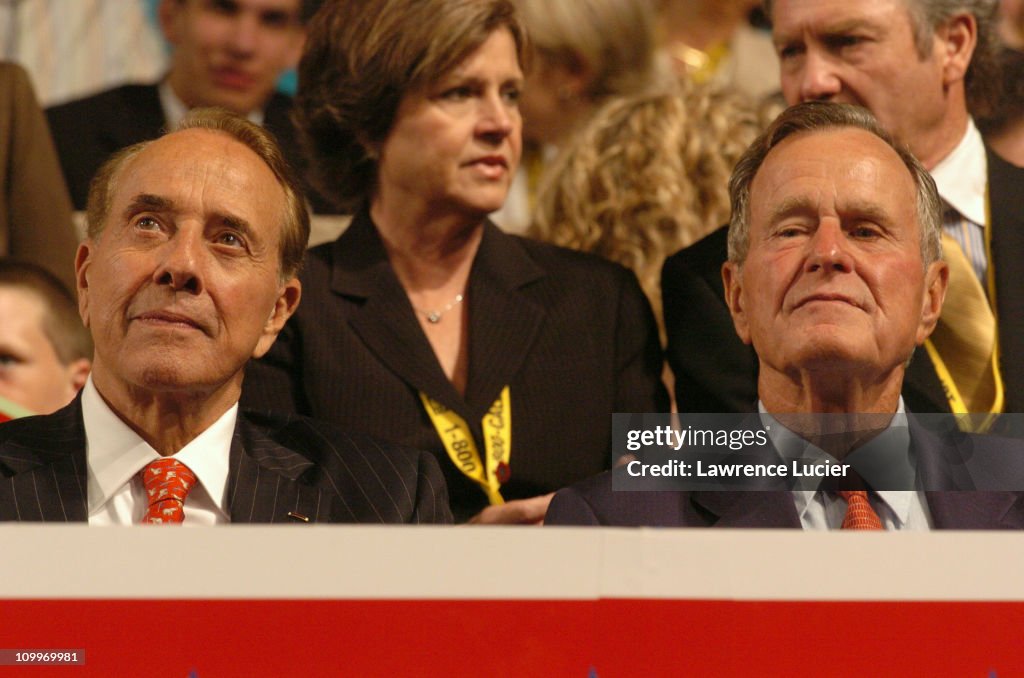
column 921, row 67
column 834, row 276
column 189, row 270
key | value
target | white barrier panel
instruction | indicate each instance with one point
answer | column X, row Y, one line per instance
column 507, row 563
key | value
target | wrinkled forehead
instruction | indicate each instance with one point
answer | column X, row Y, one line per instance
column 201, row 173
column 195, row 159
column 835, row 169
column 791, row 17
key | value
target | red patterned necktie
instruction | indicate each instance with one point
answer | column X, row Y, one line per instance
column 859, row 514
column 167, row 482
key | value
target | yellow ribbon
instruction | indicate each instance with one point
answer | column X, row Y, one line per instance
column 458, row 442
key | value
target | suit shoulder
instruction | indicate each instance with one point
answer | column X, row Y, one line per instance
column 375, row 481
column 30, row 441
column 340, row 452
column 117, row 101
column 317, row 266
column 279, row 105
column 317, row 439
column 708, row 252
column 64, row 421
column 568, row 263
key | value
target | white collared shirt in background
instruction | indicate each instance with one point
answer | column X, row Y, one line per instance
column 962, row 180
column 116, row 454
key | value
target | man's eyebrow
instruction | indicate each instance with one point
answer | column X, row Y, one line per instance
column 840, row 27
column 849, row 209
column 792, row 206
column 147, row 202
column 238, row 224
column 864, row 209
column 851, row 25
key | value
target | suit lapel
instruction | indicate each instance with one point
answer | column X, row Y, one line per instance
column 146, row 120
column 263, row 482
column 505, row 321
column 386, row 322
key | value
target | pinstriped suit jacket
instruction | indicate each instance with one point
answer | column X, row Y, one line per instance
column 278, row 464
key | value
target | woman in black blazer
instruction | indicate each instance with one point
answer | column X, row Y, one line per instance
column 423, row 323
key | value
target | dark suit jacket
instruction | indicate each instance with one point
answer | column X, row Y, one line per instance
column 1006, row 198
column 716, row 372
column 35, row 211
column 277, row 464
column 572, row 336
column 593, row 502
column 88, row 131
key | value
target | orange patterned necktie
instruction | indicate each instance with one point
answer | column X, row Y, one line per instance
column 167, row 482
column 859, row 514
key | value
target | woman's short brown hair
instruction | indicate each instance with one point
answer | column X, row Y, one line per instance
column 361, row 58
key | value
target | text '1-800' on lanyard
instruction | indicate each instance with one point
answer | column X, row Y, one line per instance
column 489, row 473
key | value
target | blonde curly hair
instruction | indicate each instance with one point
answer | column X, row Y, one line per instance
column 647, row 176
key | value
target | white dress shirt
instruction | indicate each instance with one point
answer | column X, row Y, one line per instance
column 821, row 510
column 116, row 454
column 962, row 180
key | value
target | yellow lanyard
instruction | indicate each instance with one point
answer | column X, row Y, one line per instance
column 458, row 442
column 956, row 401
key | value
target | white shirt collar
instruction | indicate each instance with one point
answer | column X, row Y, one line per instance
column 962, row 176
column 115, row 453
column 175, row 109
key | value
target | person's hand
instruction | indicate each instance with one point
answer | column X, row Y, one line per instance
column 516, row 512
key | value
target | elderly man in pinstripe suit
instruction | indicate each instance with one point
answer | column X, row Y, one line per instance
column 189, row 270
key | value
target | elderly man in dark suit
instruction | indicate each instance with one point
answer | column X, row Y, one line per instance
column 922, row 67
column 835, row 275
column 226, row 53
column 189, row 270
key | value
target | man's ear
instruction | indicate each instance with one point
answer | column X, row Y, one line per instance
column 732, row 281
column 288, row 296
column 936, row 279
column 83, row 259
column 956, row 39
column 78, row 372
column 168, row 13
